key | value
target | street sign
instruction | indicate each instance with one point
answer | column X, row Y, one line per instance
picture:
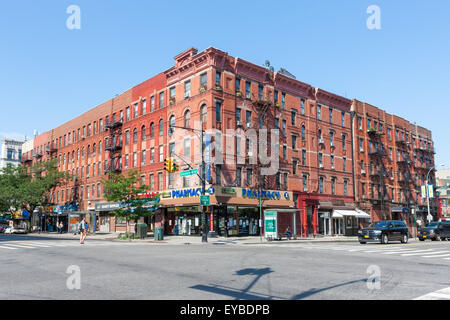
column 188, row 173
column 204, row 200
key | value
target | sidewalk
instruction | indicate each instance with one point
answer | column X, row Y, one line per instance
column 188, row 240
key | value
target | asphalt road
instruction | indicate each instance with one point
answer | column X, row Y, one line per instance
column 43, row 268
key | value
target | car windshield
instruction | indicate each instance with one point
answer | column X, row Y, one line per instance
column 380, row 224
column 432, row 225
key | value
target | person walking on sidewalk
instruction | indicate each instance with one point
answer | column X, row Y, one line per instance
column 61, row 227
column 83, row 230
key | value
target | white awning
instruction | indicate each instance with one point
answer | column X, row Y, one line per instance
column 350, row 213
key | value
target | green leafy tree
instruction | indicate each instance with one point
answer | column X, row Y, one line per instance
column 128, row 190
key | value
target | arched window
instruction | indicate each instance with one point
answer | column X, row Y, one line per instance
column 161, row 127
column 203, row 113
column 152, row 130
column 187, row 119
column 135, row 135
column 319, row 134
column 303, row 132
column 171, row 124
column 143, row 133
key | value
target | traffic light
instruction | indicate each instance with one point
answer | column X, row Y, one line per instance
column 175, row 167
column 168, row 164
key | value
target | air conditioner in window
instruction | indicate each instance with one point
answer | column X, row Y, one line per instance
column 331, row 144
column 361, row 149
column 332, row 167
column 321, row 141
column 250, row 154
column 321, row 165
column 363, row 171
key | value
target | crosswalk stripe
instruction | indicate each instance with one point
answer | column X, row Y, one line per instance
column 417, row 253
column 8, row 248
column 20, row 246
column 437, row 256
column 406, row 251
column 434, row 296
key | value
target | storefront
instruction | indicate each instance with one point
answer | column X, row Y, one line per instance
column 232, row 211
column 21, row 219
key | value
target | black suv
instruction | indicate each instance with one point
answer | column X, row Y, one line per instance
column 383, row 232
column 435, row 231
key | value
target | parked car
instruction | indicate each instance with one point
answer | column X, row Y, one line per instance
column 383, row 232
column 11, row 230
column 435, row 231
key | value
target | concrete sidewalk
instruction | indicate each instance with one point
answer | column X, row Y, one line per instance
column 187, row 240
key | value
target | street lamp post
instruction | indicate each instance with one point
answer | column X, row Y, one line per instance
column 202, row 178
column 428, row 195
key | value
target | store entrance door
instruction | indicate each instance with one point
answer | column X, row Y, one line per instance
column 104, row 223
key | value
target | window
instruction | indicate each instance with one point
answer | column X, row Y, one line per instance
column 161, row 100
column 171, row 124
column 152, row 104
column 283, row 100
column 361, row 147
column 319, row 116
column 345, row 187
column 293, row 117
column 127, row 114
column 187, row 148
column 172, row 92
column 248, row 118
column 144, row 106
column 135, row 135
column 187, row 89
column 285, row 180
column 152, row 181
column 203, row 80
column 333, row 185
column 330, row 113
column 203, row 113
column 160, row 181
column 321, row 184
column 359, row 123
column 304, row 157
column 143, row 133
column 134, row 160
column 171, row 149
column 247, row 89
column 305, row 183
column 302, row 106
column 238, row 84
column 152, row 155
column 218, row 111
column 238, row 176
column 303, row 132
column 294, row 142
column 283, row 124
column 332, row 162
column 218, row 174
column 260, row 92
column 218, row 76
column 275, row 97
column 136, row 108
column 284, row 152
column 143, row 157
column 152, row 130
column 161, row 154
column 187, row 119
column 344, row 136
column 344, row 164
column 249, row 177
column 161, row 127
column 320, row 159
column 331, row 138
column 343, row 119
column 294, row 167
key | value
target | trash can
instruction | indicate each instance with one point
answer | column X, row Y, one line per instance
column 141, row 231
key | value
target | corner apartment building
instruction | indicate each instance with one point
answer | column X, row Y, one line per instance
column 233, row 101
column 392, row 160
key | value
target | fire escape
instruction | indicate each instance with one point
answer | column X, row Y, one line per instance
column 113, row 144
column 377, row 157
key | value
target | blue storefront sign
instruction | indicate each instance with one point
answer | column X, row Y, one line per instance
column 66, row 208
column 194, row 192
column 264, row 194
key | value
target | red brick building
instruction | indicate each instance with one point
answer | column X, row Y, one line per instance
column 392, row 160
column 236, row 103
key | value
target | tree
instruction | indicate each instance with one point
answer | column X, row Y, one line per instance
column 128, row 190
column 23, row 189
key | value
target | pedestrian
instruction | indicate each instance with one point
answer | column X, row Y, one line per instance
column 61, row 227
column 83, row 230
column 288, row 232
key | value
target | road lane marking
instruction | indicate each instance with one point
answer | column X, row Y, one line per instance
column 436, row 254
column 436, row 295
column 417, row 253
column 20, row 246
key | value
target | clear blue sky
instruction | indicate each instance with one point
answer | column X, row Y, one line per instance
column 50, row 74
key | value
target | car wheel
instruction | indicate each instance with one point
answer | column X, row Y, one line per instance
column 404, row 239
column 384, row 239
column 421, row 239
column 362, row 242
